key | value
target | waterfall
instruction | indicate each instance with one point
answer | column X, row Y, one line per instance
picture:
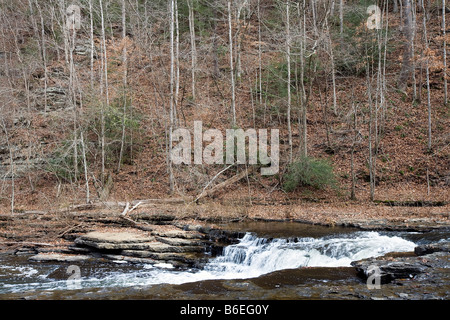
column 254, row 256
column 251, row 257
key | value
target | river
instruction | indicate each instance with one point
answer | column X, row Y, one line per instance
column 269, row 253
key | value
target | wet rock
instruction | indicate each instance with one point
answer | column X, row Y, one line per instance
column 179, row 242
column 412, row 267
column 195, row 227
column 119, row 246
column 389, row 270
column 24, row 251
column 187, row 258
column 57, row 257
column 161, row 248
column 117, row 258
column 116, row 237
column 115, row 240
column 225, row 236
column 432, row 247
column 178, row 234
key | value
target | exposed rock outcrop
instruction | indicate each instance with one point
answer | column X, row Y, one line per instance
column 427, row 261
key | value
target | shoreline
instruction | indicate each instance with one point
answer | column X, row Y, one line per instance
column 63, row 228
column 56, row 227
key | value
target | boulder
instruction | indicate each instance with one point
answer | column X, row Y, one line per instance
column 402, row 267
column 432, row 247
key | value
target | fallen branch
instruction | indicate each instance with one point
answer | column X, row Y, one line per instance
column 68, row 230
column 127, row 211
column 224, row 184
column 137, row 225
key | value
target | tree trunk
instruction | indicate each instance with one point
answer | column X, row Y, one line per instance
column 259, row 52
column 193, row 47
column 86, row 178
column 352, row 158
column 230, row 36
column 444, row 26
column 171, row 103
column 341, row 17
column 370, row 124
column 288, row 61
column 91, row 34
column 104, row 78
column 177, row 65
column 427, row 70
column 124, row 82
column 303, row 149
column 406, row 71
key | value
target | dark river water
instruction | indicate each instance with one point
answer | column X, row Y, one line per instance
column 271, row 254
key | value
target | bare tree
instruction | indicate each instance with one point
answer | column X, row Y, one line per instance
column 11, row 165
column 259, row 51
column 288, row 80
column 91, row 35
column 171, row 102
column 444, row 26
column 341, row 17
column 427, row 68
column 124, row 81
column 193, row 47
column 104, row 77
column 177, row 65
column 233, row 89
column 304, row 100
column 406, row 71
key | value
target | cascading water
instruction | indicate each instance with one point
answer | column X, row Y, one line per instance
column 252, row 256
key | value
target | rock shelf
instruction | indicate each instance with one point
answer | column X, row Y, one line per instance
column 182, row 248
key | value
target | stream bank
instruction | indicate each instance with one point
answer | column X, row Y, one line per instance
column 421, row 272
column 162, row 237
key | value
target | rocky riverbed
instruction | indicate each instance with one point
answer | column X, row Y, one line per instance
column 422, row 273
column 181, row 247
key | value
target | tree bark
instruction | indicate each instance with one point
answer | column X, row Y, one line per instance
column 288, row 61
column 230, row 36
column 193, row 46
column 444, row 26
column 406, row 71
column 171, row 103
column 124, row 82
column 427, row 70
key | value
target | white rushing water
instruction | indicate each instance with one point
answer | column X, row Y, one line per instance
column 251, row 257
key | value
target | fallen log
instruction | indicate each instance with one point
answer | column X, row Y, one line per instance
column 224, row 184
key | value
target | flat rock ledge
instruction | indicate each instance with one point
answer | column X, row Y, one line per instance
column 59, row 257
column 185, row 247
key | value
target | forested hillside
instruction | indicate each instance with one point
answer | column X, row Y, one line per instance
column 91, row 89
